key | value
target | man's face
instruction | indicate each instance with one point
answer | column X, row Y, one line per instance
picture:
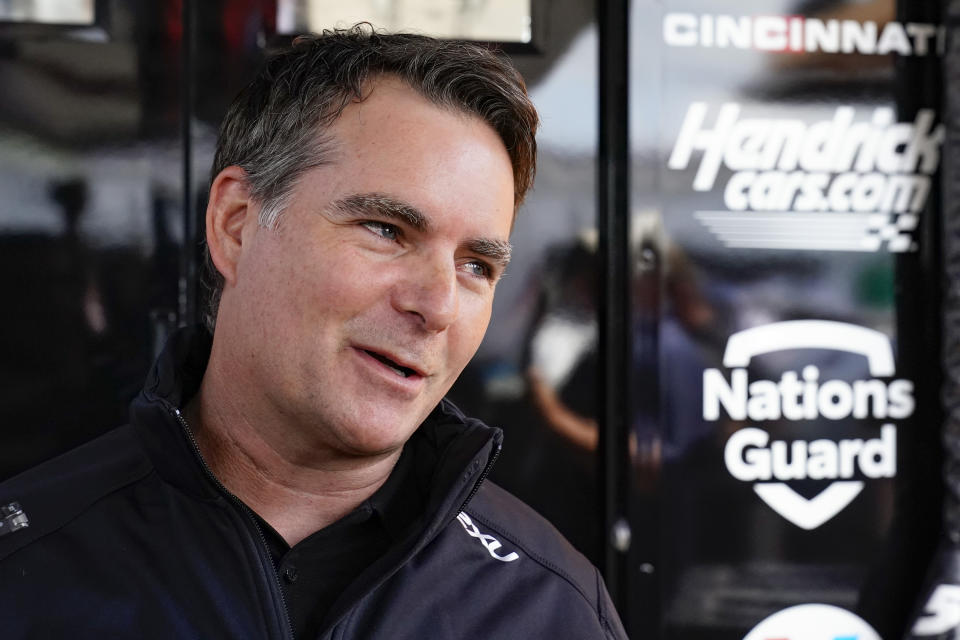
column 357, row 314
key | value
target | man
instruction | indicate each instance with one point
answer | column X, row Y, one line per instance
column 297, row 473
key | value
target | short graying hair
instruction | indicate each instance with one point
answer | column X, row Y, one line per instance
column 274, row 129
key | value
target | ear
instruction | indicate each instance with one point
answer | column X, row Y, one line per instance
column 228, row 210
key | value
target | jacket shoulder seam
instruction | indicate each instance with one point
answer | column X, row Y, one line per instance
column 601, row 614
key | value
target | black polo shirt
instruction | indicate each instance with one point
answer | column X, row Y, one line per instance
column 316, row 570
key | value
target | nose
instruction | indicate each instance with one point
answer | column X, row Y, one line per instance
column 428, row 291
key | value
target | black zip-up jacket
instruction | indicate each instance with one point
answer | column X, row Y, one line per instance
column 131, row 536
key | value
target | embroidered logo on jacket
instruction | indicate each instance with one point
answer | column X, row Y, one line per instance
column 12, row 518
column 489, row 542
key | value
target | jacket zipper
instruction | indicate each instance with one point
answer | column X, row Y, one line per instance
column 483, row 476
column 285, row 614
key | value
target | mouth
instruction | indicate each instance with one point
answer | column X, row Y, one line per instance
column 396, row 367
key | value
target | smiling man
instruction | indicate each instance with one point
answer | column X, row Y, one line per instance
column 292, row 469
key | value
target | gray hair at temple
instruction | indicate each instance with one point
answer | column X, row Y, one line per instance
column 275, row 129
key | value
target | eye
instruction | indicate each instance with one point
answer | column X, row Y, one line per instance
column 382, row 229
column 479, row 269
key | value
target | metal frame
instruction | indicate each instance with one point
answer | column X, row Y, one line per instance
column 614, row 305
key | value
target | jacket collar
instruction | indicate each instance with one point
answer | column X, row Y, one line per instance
column 453, row 452
column 155, row 414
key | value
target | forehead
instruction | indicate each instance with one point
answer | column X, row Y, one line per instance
column 391, row 113
column 444, row 162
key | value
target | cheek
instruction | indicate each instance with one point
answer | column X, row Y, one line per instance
column 303, row 280
column 278, row 292
column 341, row 283
column 475, row 317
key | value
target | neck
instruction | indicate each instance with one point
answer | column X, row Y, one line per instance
column 296, row 490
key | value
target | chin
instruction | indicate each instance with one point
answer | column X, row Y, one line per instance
column 361, row 440
column 370, row 449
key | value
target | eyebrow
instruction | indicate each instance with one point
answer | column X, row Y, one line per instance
column 381, row 206
column 384, row 206
column 494, row 250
